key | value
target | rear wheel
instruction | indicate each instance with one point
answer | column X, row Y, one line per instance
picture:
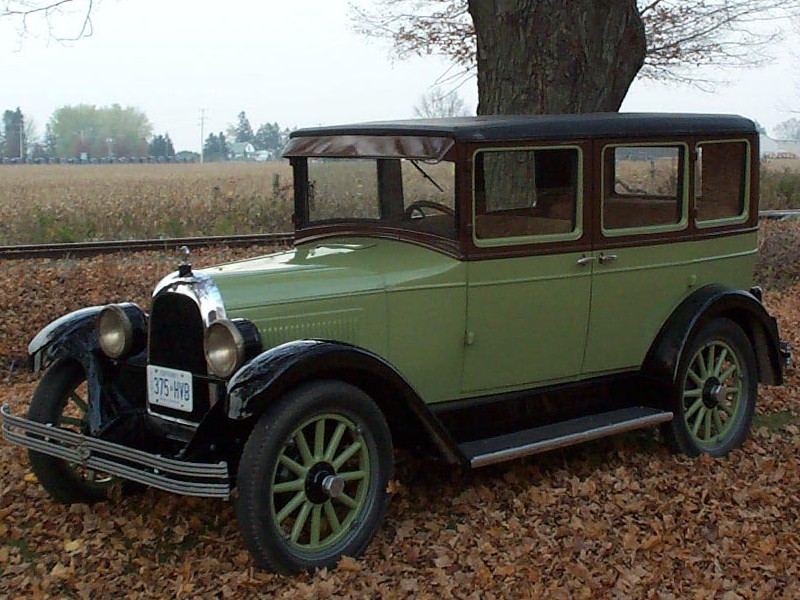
column 313, row 476
column 61, row 399
column 718, row 381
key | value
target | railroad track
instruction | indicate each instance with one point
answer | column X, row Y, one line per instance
column 80, row 249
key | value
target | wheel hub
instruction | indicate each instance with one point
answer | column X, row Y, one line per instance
column 322, row 484
column 713, row 393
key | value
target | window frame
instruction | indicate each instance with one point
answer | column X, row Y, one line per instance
column 683, row 190
column 746, row 186
column 546, row 238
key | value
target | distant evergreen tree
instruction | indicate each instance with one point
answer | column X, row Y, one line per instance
column 13, row 120
column 161, row 145
column 269, row 137
column 215, row 148
column 244, row 132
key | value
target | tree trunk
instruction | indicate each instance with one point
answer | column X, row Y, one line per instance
column 556, row 56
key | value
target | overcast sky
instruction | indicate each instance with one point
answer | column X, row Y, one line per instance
column 297, row 63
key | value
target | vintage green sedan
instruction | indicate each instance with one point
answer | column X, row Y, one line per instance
column 474, row 290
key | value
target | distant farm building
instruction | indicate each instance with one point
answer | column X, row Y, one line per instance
column 779, row 149
column 242, row 151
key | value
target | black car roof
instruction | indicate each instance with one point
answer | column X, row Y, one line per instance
column 535, row 127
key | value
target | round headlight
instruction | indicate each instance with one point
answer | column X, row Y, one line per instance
column 114, row 331
column 224, row 348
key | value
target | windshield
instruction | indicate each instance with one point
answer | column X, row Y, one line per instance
column 398, row 193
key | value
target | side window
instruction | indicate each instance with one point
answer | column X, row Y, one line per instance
column 643, row 186
column 523, row 193
column 721, row 172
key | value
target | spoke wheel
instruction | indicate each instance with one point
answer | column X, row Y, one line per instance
column 61, row 399
column 718, row 389
column 312, row 478
column 320, row 482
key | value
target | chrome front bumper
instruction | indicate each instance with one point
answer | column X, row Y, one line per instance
column 209, row 480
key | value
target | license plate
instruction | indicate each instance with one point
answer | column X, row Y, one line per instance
column 169, row 388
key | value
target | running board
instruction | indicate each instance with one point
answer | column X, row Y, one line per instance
column 559, row 435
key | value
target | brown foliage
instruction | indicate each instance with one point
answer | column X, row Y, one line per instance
column 620, row 518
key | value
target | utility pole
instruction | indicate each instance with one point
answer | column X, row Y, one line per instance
column 202, row 132
column 21, row 138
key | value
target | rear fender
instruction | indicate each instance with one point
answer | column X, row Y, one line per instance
column 707, row 303
column 274, row 372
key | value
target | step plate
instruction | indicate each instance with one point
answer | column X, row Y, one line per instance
column 559, row 435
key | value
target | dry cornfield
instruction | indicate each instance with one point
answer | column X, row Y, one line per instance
column 68, row 203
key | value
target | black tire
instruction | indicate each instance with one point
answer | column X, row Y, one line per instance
column 272, row 444
column 705, row 404
column 66, row 483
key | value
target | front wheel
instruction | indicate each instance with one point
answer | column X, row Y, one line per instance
column 313, row 476
column 61, row 399
column 718, row 386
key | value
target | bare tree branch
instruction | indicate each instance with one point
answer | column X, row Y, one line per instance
column 681, row 36
column 53, row 15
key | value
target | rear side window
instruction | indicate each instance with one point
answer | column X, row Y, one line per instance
column 643, row 186
column 721, row 172
column 525, row 193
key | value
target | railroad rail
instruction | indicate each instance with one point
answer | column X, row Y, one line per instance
column 82, row 249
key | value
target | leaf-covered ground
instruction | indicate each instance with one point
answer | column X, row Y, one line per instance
column 620, row 518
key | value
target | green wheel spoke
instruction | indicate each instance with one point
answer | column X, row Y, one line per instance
column 710, row 360
column 700, row 361
column 302, row 447
column 347, row 500
column 289, row 486
column 696, row 393
column 708, row 425
column 728, row 372
column 718, row 422
column 316, row 524
column 720, row 361
column 698, row 420
column 698, row 381
column 70, row 421
column 352, row 475
column 319, row 439
column 290, row 507
column 729, row 410
column 301, row 521
column 330, row 515
column 694, row 407
column 293, row 466
column 78, row 401
column 333, row 445
column 346, row 455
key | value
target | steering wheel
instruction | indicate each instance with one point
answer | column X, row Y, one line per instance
column 420, row 204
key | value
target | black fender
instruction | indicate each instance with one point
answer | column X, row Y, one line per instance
column 278, row 370
column 73, row 337
column 663, row 359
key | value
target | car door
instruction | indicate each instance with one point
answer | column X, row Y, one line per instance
column 643, row 264
column 529, row 274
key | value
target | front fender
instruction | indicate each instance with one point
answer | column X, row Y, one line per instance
column 709, row 302
column 276, row 371
column 73, row 336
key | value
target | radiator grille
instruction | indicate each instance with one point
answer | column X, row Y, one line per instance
column 176, row 341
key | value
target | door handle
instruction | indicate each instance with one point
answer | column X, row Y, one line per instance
column 585, row 260
column 608, row 258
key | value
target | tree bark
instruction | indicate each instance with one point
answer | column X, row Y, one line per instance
column 556, row 56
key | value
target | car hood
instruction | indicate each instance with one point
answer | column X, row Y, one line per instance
column 329, row 269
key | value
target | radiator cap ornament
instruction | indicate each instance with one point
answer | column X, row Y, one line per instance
column 184, row 267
